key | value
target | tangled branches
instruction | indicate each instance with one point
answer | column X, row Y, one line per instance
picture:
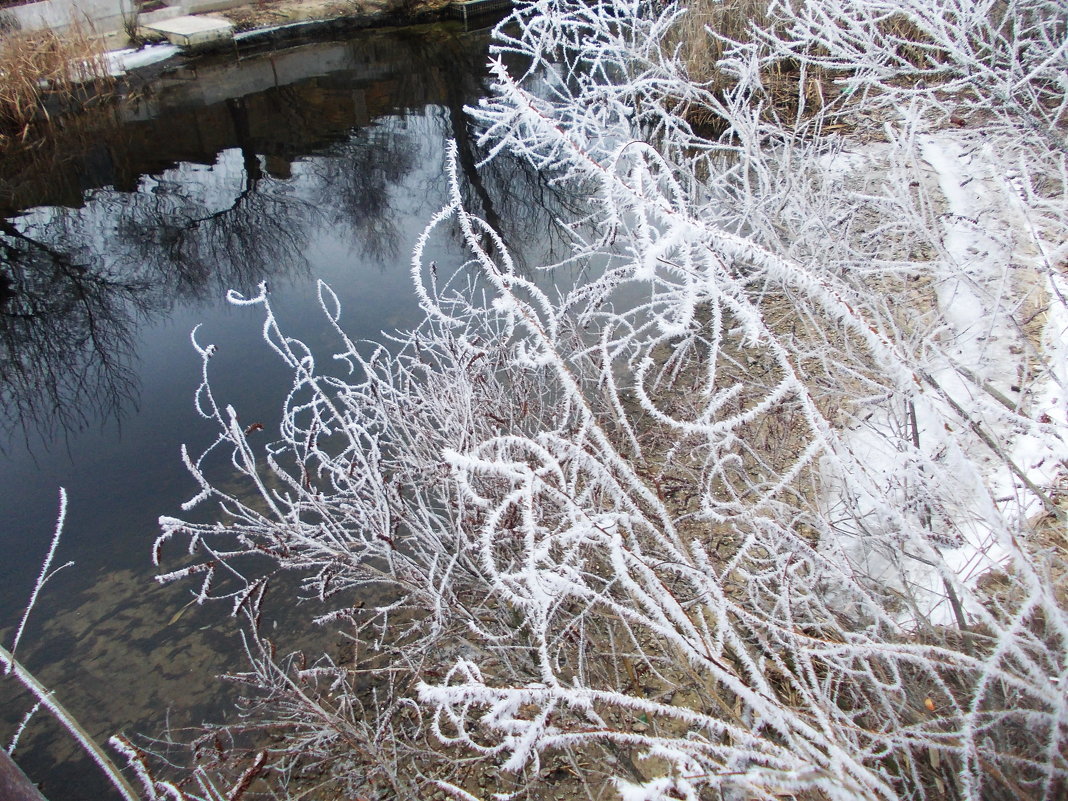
column 767, row 505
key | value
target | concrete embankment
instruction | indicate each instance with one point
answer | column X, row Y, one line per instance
column 204, row 24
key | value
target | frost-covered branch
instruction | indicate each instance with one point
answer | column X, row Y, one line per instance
column 768, row 502
column 11, row 666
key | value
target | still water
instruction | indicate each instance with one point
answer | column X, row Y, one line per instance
column 320, row 161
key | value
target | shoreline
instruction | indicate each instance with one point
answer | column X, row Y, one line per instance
column 142, row 79
column 295, row 22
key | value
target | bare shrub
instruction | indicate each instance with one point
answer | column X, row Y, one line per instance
column 716, row 518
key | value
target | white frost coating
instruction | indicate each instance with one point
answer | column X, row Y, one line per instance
column 987, row 244
column 46, row 573
column 17, row 735
column 764, row 505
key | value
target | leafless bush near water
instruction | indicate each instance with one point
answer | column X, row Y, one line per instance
column 769, row 505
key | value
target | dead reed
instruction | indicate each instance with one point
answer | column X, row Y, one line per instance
column 709, row 28
column 701, row 38
column 700, row 34
column 42, row 73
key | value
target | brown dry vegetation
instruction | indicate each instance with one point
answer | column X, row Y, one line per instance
column 701, row 38
column 733, row 20
column 44, row 72
column 703, row 35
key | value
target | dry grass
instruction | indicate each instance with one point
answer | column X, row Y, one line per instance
column 42, row 73
column 704, row 33
column 701, row 37
column 698, row 34
column 696, row 38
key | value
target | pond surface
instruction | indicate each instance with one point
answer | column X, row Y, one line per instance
column 321, row 161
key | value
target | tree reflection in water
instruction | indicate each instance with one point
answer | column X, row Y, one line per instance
column 353, row 183
column 76, row 282
column 65, row 335
column 79, row 288
column 171, row 210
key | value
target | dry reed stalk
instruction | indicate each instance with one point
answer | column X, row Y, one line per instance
column 697, row 33
column 703, row 35
column 71, row 70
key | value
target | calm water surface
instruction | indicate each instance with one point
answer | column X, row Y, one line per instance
column 320, row 161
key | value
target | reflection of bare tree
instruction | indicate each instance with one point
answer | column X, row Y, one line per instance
column 519, row 201
column 78, row 282
column 195, row 249
column 201, row 232
column 73, row 284
column 522, row 204
column 64, row 336
column 354, row 182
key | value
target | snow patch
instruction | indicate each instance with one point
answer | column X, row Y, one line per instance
column 121, row 62
column 984, row 376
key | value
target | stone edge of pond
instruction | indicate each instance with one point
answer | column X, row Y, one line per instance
column 267, row 38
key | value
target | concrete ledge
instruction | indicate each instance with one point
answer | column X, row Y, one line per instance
column 165, row 13
column 193, row 32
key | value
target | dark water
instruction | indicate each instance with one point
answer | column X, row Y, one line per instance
column 322, row 161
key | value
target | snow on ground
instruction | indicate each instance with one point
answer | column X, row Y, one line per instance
column 1001, row 275
column 122, row 61
column 992, row 272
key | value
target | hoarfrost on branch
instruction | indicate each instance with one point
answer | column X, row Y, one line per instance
column 767, row 504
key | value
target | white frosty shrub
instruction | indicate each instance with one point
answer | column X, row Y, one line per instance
column 766, row 506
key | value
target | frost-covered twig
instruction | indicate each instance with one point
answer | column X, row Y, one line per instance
column 45, row 697
column 44, row 575
column 745, row 510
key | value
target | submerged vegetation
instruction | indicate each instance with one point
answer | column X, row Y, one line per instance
column 769, row 504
